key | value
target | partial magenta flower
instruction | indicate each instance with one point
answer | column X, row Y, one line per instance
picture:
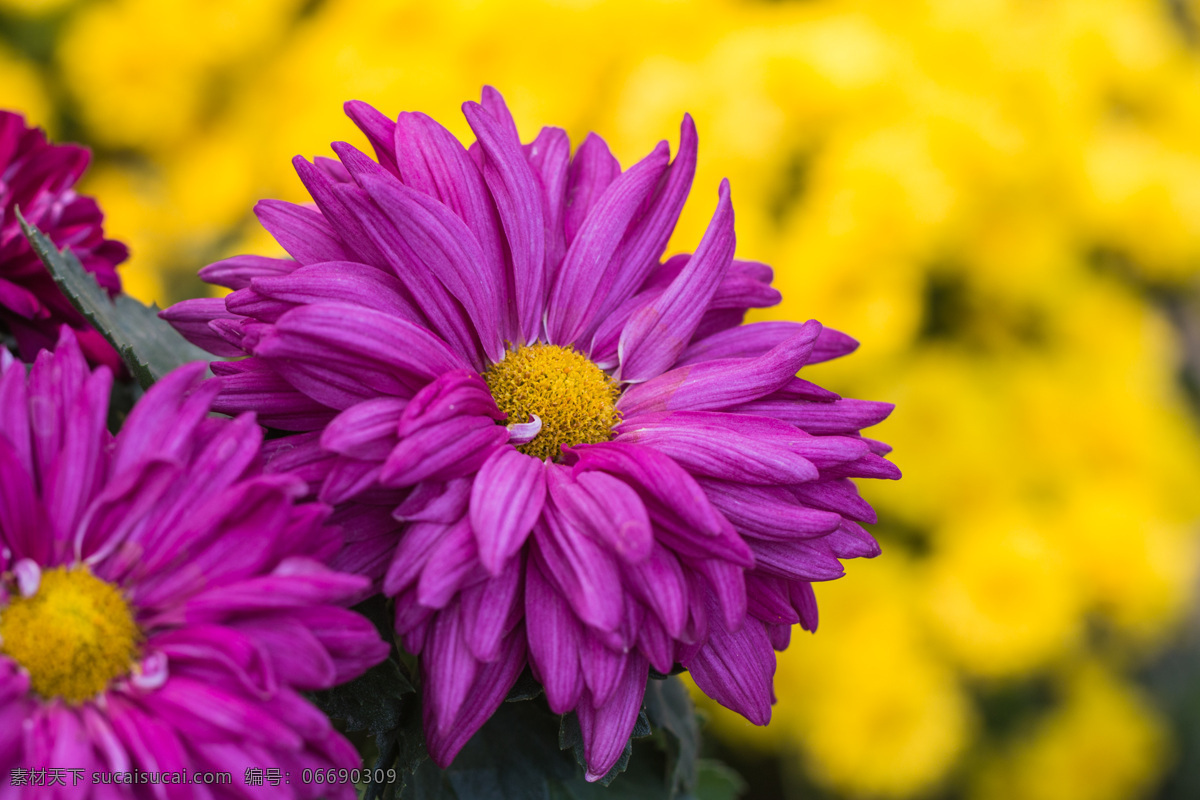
column 551, row 447
column 38, row 178
column 163, row 603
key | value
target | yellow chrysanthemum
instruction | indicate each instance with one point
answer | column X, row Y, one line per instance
column 1105, row 743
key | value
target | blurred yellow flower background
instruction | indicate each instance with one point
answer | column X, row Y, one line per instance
column 999, row 198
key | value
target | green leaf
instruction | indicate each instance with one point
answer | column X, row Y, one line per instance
column 382, row 703
column 570, row 737
column 672, row 713
column 121, row 400
column 148, row 345
column 717, row 781
column 516, row 756
column 371, row 702
column 526, row 688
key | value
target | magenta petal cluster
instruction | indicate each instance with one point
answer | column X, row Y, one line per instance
column 37, row 178
column 218, row 565
column 691, row 535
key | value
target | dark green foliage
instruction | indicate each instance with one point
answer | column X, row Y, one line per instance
column 673, row 716
column 148, row 345
column 516, row 756
column 526, row 688
column 716, row 781
column 524, row 752
column 571, row 738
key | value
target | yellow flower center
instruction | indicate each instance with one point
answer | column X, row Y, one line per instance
column 73, row 636
column 574, row 399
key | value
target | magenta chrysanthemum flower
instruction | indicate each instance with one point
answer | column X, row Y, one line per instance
column 37, row 177
column 591, row 465
column 163, row 603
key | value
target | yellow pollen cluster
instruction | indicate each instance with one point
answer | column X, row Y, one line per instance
column 74, row 636
column 574, row 399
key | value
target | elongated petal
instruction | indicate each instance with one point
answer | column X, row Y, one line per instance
column 252, row 385
column 393, row 354
column 296, row 656
column 413, row 552
column 348, row 478
column 736, row 670
column 493, row 103
column 768, row 512
column 554, row 639
column 659, row 582
column 587, row 576
column 756, row 338
column 23, row 518
column 805, row 603
column 208, row 712
column 295, row 581
column 191, row 318
column 851, row 540
column 432, row 161
column 839, row 496
column 449, row 669
column 658, row 475
column 869, row 466
column 366, row 431
column 514, row 187
column 302, row 232
column 647, row 238
column 727, row 455
column 344, row 281
column 369, row 540
column 163, row 423
column 443, row 244
column 607, row 728
column 153, row 742
column 608, row 510
column 591, row 171
column 452, row 563
column 506, row 500
column 439, row 307
column 486, row 694
column 728, row 584
column 585, row 275
column 120, row 507
column 802, row 559
column 443, row 451
column 602, row 668
column 549, row 154
column 656, row 335
column 768, row 599
column 742, row 292
column 431, row 501
column 839, row 416
column 81, row 466
column 211, row 542
column 340, row 204
column 379, row 130
column 458, row 393
column 722, row 383
column 656, row 644
column 607, row 336
column 14, row 399
column 491, row 608
column 682, row 539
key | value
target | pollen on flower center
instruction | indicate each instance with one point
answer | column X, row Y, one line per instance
column 574, row 399
column 73, row 636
